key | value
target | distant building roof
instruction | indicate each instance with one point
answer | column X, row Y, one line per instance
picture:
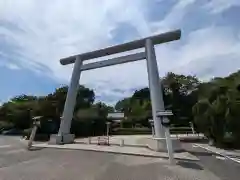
column 114, row 115
column 37, row 117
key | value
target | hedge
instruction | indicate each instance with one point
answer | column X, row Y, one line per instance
column 180, row 130
column 38, row 136
column 6, row 125
column 131, row 131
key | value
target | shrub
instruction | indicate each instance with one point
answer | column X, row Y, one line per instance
column 38, row 136
column 6, row 125
column 127, row 123
column 131, row 131
column 88, row 127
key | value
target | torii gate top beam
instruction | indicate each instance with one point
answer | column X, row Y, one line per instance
column 156, row 39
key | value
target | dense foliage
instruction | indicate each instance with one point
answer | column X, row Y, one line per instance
column 18, row 112
column 179, row 96
column 217, row 112
column 212, row 106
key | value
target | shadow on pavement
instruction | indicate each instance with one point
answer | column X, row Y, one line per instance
column 191, row 165
column 196, row 153
column 36, row 148
column 194, row 140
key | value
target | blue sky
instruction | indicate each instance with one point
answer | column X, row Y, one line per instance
column 35, row 34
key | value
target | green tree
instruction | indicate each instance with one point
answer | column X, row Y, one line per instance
column 223, row 97
column 123, row 105
column 20, row 109
column 180, row 96
column 103, row 109
column 85, row 98
column 202, row 112
column 18, row 112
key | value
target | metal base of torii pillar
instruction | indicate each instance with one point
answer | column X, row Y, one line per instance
column 155, row 87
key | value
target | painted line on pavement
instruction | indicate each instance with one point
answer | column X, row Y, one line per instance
column 220, row 157
column 233, row 159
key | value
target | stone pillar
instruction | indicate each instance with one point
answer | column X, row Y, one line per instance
column 64, row 135
column 108, row 128
column 154, row 87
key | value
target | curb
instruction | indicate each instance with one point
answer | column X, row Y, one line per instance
column 218, row 153
column 114, row 152
column 111, row 152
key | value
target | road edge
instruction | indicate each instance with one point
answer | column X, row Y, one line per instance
column 218, row 153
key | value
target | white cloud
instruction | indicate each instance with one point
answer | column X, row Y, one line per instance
column 50, row 30
column 55, row 29
column 208, row 52
column 218, row 6
column 12, row 66
column 175, row 16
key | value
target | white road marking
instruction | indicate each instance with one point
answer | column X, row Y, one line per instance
column 220, row 157
column 237, row 160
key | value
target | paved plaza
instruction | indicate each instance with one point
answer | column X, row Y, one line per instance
column 133, row 145
column 135, row 140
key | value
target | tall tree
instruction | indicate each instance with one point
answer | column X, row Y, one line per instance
column 224, row 100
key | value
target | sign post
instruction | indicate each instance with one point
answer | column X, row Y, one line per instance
column 166, row 124
column 152, row 126
column 108, row 128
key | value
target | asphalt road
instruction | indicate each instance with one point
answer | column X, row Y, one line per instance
column 48, row 164
column 224, row 168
